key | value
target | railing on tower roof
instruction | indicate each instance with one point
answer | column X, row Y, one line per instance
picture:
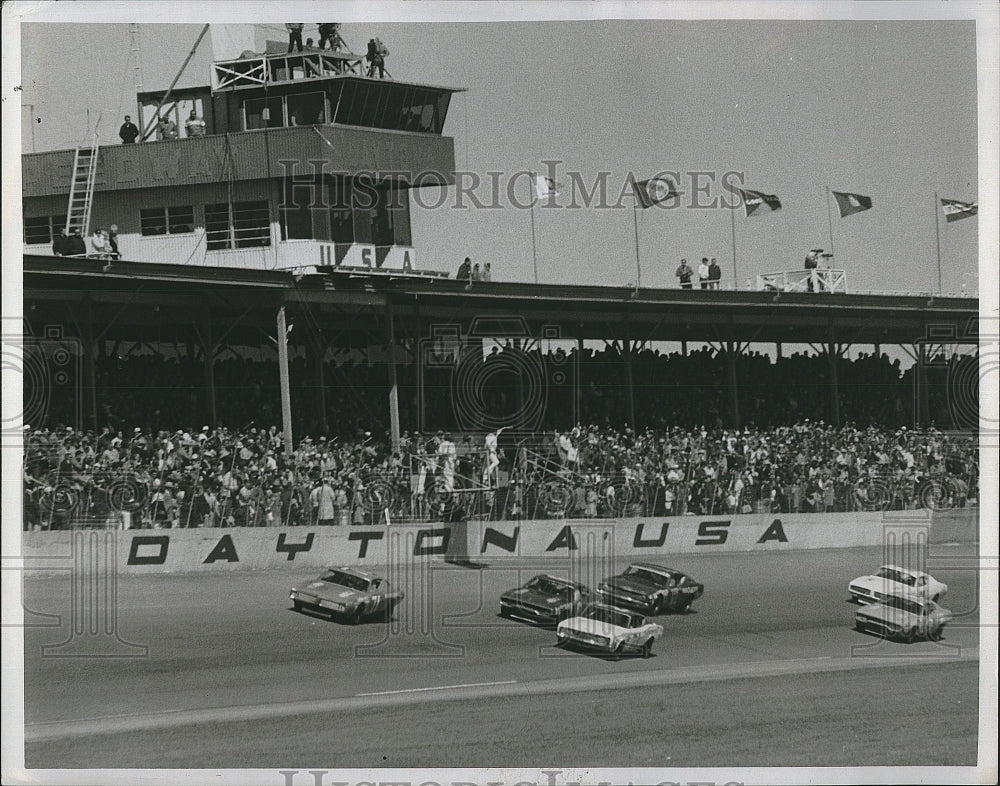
column 253, row 69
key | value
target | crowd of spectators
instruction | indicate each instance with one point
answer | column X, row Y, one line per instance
column 221, row 477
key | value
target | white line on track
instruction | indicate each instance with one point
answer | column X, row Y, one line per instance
column 438, row 687
column 38, row 732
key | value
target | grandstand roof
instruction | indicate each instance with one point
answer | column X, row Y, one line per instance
column 126, row 292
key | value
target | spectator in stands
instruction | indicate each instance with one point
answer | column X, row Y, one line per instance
column 684, row 273
column 464, row 270
column 128, row 132
column 294, row 35
column 166, row 128
column 703, row 273
column 61, row 244
column 194, row 125
column 714, row 274
column 329, row 31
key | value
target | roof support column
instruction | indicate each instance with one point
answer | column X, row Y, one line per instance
column 628, row 375
column 90, row 350
column 208, row 348
column 833, row 356
column 286, row 396
column 390, row 348
column 732, row 348
column 921, row 403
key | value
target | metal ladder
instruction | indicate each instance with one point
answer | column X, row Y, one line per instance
column 81, row 190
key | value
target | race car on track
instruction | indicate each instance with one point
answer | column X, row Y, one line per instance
column 608, row 629
column 894, row 580
column 902, row 617
column 347, row 593
column 651, row 588
column 545, row 599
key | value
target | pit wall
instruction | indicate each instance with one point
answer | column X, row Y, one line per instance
column 200, row 550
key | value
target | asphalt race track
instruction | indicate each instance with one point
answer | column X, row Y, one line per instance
column 767, row 671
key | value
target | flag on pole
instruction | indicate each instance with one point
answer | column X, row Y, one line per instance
column 850, row 204
column 653, row 191
column 955, row 210
column 546, row 186
column 754, row 200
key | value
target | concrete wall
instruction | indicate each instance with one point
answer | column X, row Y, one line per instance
column 199, row 550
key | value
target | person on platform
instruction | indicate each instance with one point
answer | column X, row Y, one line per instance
column 377, row 53
column 714, row 274
column 76, row 247
column 99, row 242
column 294, row 35
column 61, row 244
column 167, row 128
column 446, row 451
column 194, row 125
column 684, row 273
column 476, row 275
column 486, row 274
column 492, row 458
column 113, row 240
column 812, row 262
column 128, row 132
column 464, row 270
column 330, row 31
column 703, row 272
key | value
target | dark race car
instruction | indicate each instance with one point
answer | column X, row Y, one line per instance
column 347, row 593
column 651, row 588
column 546, row 600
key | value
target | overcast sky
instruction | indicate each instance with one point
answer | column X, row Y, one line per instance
column 887, row 109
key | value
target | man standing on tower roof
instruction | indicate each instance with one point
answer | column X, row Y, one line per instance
column 194, row 126
column 377, row 53
column 294, row 35
column 128, row 133
column 330, row 31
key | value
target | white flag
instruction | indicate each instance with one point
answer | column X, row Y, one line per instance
column 545, row 186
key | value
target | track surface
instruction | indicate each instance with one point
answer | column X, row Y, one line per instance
column 769, row 663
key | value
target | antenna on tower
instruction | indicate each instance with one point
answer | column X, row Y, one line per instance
column 135, row 49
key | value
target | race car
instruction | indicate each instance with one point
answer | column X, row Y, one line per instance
column 651, row 588
column 608, row 629
column 347, row 593
column 894, row 580
column 545, row 599
column 903, row 617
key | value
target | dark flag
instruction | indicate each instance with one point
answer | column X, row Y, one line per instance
column 754, row 200
column 955, row 210
column 653, row 191
column 850, row 204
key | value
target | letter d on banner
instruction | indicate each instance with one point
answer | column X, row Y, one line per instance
column 413, row 630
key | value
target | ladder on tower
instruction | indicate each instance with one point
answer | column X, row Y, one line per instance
column 81, row 190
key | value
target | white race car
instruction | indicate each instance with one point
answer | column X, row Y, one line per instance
column 609, row 629
column 894, row 580
column 904, row 618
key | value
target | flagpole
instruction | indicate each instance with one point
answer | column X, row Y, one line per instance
column 638, row 268
column 829, row 219
column 937, row 232
column 534, row 251
column 732, row 223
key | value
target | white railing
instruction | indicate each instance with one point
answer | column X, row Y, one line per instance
column 816, row 280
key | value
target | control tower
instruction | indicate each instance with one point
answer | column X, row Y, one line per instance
column 303, row 161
